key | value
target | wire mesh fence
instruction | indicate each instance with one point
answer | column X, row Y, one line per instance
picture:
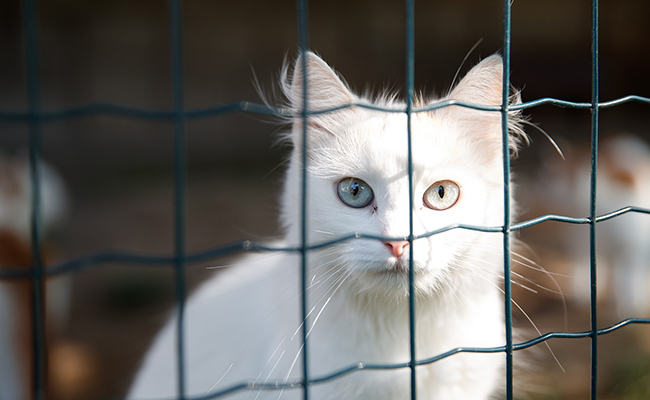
column 35, row 117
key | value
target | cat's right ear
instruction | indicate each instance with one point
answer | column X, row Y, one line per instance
column 325, row 90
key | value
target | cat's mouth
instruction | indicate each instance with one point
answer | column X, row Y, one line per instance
column 399, row 267
column 395, row 270
column 391, row 278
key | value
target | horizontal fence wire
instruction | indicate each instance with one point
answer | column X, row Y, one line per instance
column 143, row 259
column 35, row 117
column 139, row 113
column 361, row 366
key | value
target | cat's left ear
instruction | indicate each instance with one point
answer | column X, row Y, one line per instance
column 483, row 84
column 325, row 90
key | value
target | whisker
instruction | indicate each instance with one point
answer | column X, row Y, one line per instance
column 539, row 333
column 251, row 260
column 524, row 261
column 502, row 278
column 536, row 267
column 324, row 232
column 456, row 291
column 317, row 301
column 277, row 362
column 338, row 282
column 220, row 379
column 293, row 364
column 471, row 270
column 550, row 139
column 341, row 281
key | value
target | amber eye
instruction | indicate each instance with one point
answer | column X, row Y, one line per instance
column 442, row 195
column 355, row 193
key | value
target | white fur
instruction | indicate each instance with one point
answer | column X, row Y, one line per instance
column 244, row 323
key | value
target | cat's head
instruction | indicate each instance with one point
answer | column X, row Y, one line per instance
column 358, row 179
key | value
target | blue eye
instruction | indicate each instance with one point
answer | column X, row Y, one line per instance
column 355, row 193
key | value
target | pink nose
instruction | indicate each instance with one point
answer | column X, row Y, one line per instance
column 397, row 247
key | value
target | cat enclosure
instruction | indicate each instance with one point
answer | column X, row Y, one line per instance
column 36, row 117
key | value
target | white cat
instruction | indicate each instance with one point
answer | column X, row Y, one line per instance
column 244, row 324
column 16, row 350
column 622, row 250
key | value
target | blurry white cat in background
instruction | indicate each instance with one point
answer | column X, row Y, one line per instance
column 15, row 251
column 622, row 251
column 622, row 243
column 244, row 324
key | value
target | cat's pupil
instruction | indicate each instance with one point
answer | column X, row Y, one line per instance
column 441, row 191
column 355, row 188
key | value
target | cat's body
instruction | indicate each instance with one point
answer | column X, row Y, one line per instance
column 244, row 324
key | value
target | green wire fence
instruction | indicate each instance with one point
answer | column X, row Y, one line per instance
column 35, row 117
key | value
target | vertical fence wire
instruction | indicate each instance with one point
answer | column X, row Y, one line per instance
column 176, row 28
column 505, row 141
column 304, row 46
column 410, row 77
column 39, row 349
column 595, row 111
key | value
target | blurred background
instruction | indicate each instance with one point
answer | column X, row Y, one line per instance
column 117, row 173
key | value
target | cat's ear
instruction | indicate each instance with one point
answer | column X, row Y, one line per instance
column 483, row 84
column 325, row 90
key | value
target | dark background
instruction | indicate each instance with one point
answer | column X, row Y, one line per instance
column 119, row 174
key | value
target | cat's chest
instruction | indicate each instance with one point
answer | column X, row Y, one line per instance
column 350, row 338
column 348, row 333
